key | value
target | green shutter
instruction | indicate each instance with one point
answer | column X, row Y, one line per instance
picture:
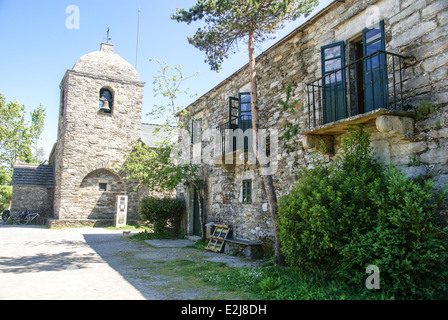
column 247, row 191
column 334, row 91
column 375, row 68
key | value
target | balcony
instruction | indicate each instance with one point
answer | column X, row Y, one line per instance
column 357, row 93
column 234, row 141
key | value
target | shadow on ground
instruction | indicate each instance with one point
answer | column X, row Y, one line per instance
column 160, row 273
column 46, row 262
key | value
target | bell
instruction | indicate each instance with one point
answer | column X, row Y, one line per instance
column 105, row 105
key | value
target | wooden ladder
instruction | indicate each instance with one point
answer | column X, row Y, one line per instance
column 217, row 239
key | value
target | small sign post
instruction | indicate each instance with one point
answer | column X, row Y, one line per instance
column 121, row 211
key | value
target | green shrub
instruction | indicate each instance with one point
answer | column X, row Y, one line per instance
column 5, row 197
column 406, row 241
column 344, row 216
column 329, row 206
column 162, row 212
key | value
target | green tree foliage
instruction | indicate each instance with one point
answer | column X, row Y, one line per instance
column 157, row 168
column 17, row 135
column 18, row 138
column 350, row 214
column 227, row 23
column 162, row 212
column 169, row 84
column 5, row 188
column 37, row 126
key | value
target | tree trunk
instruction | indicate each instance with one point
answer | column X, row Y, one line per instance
column 267, row 178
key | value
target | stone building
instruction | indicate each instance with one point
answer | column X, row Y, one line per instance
column 374, row 62
column 33, row 187
column 99, row 121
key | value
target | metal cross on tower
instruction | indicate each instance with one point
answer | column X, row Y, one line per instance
column 107, row 37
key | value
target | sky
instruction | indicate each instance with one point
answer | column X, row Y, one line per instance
column 40, row 40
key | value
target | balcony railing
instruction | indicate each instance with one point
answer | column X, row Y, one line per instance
column 370, row 83
column 230, row 139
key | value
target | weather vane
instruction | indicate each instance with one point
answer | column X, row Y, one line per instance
column 107, row 37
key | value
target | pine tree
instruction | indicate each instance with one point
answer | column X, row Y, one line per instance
column 228, row 22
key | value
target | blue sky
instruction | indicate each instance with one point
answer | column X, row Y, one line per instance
column 36, row 48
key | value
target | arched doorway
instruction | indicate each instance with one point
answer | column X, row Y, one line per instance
column 98, row 192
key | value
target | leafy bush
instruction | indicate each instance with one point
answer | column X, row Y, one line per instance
column 5, row 197
column 328, row 206
column 406, row 241
column 162, row 212
column 344, row 216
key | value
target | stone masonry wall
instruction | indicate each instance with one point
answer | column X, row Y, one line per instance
column 33, row 199
column 414, row 28
column 89, row 141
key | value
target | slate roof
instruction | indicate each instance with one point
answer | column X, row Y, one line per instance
column 33, row 175
column 150, row 137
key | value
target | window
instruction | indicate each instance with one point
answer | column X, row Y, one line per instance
column 375, row 68
column 247, row 191
column 366, row 74
column 333, row 59
column 240, row 112
column 62, row 104
column 106, row 101
column 102, row 186
column 245, row 111
column 196, row 131
column 240, row 115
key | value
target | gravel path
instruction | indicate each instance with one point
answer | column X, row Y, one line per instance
column 96, row 264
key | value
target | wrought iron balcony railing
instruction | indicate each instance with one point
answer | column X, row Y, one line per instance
column 231, row 139
column 370, row 83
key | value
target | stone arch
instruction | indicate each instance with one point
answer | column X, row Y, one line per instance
column 101, row 165
column 97, row 193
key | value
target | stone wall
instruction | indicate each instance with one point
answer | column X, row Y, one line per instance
column 33, row 199
column 418, row 29
column 94, row 202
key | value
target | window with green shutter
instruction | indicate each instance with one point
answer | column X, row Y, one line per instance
column 334, row 91
column 247, row 191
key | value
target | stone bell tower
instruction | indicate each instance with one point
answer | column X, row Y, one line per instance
column 99, row 122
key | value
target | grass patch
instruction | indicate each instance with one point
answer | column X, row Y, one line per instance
column 131, row 226
column 198, row 245
column 149, row 234
column 193, row 277
column 186, row 277
column 274, row 283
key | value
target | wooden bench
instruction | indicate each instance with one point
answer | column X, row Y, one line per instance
column 249, row 249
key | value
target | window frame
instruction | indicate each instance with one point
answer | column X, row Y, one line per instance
column 334, row 111
column 247, row 191
column 196, row 138
column 100, row 184
column 375, row 95
column 240, row 112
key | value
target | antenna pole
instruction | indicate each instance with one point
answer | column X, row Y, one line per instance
column 138, row 31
